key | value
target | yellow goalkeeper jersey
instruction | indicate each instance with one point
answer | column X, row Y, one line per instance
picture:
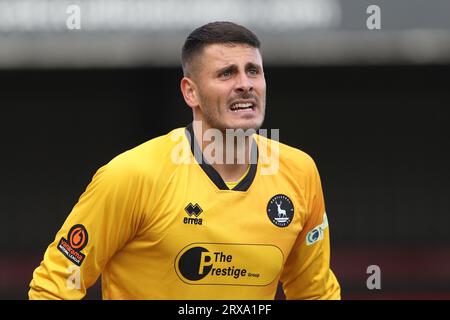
column 158, row 222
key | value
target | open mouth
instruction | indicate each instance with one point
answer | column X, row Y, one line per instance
column 242, row 106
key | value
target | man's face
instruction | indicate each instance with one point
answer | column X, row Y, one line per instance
column 231, row 87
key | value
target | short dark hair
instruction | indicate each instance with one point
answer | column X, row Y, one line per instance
column 212, row 33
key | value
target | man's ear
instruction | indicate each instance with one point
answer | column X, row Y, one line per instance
column 189, row 90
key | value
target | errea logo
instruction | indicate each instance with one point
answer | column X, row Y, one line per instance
column 193, row 212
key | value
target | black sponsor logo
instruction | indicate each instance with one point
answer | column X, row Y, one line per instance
column 77, row 239
column 280, row 210
column 198, row 262
column 194, row 265
column 193, row 211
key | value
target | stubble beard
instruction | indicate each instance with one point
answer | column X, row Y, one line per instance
column 212, row 118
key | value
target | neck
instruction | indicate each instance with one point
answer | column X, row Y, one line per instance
column 228, row 153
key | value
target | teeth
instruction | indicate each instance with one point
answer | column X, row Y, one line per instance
column 238, row 106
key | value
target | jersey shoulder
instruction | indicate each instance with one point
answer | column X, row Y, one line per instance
column 153, row 157
column 290, row 159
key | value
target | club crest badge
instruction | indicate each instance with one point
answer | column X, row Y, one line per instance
column 280, row 210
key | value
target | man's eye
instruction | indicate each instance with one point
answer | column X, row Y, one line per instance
column 226, row 74
column 253, row 72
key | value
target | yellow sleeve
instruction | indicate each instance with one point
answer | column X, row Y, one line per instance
column 104, row 219
column 307, row 273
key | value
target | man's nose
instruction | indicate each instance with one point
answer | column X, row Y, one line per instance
column 244, row 83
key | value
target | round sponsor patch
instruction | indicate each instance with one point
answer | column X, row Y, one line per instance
column 78, row 237
column 280, row 210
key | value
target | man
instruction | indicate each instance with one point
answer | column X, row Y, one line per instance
column 170, row 220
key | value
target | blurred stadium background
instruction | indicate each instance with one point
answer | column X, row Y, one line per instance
column 370, row 106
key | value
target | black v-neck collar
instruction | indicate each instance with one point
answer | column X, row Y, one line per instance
column 215, row 177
